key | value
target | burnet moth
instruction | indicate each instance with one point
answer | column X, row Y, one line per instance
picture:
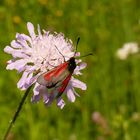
column 59, row 76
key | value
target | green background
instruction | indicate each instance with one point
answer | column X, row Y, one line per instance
column 113, row 85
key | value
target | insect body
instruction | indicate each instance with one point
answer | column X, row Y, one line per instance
column 58, row 77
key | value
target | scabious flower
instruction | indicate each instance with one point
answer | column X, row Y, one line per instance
column 127, row 49
column 38, row 53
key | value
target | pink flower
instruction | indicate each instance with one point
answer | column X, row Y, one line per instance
column 36, row 54
column 127, row 49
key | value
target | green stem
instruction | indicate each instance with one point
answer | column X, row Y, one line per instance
column 16, row 113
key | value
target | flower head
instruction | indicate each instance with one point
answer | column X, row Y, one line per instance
column 128, row 48
column 36, row 54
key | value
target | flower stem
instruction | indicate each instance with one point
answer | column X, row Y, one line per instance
column 16, row 113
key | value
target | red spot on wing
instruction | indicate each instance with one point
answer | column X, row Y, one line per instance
column 64, row 85
column 56, row 71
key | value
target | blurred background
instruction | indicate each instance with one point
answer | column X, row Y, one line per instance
column 109, row 109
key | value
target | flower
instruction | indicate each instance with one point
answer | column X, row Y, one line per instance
column 128, row 48
column 36, row 54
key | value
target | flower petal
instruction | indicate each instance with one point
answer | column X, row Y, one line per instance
column 78, row 84
column 60, row 103
column 49, row 100
column 29, row 79
column 26, row 38
column 18, row 64
column 80, row 67
column 35, row 98
column 16, row 44
column 51, row 97
column 8, row 49
column 70, row 94
column 31, row 30
column 15, row 53
column 22, row 80
column 44, row 92
column 21, row 38
column 36, row 93
column 36, row 89
column 25, row 81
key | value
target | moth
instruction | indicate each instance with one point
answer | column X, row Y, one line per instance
column 59, row 76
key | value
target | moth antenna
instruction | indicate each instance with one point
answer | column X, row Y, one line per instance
column 60, row 52
column 86, row 55
column 52, row 65
column 77, row 45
